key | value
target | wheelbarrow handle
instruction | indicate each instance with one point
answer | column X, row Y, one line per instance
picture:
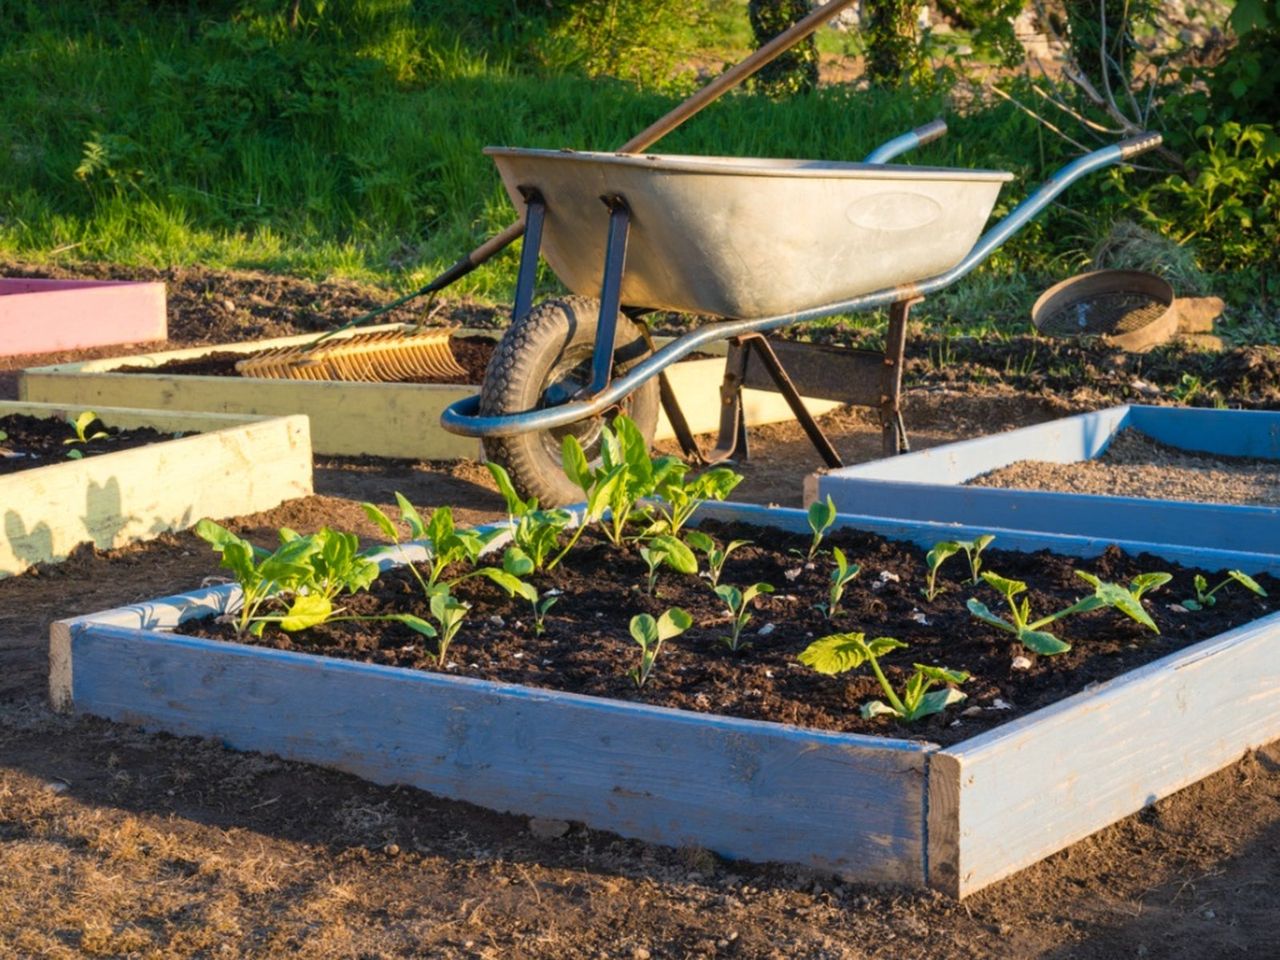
column 908, row 141
column 1140, row 144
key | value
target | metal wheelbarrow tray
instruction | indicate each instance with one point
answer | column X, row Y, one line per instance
column 746, row 238
column 755, row 244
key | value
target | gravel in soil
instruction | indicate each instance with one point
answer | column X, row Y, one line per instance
column 27, row 442
column 586, row 647
column 1134, row 465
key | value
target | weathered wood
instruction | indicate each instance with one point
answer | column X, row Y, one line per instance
column 762, row 791
column 40, row 316
column 239, row 465
column 351, row 419
column 926, row 485
column 1036, row 785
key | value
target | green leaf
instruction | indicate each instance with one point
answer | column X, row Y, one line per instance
column 75, row 454
column 673, row 622
column 516, row 562
column 876, row 708
column 678, row 556
column 515, row 505
column 1042, row 642
column 574, row 463
column 417, row 529
column 731, row 595
column 1144, row 582
column 1192, row 605
column 512, row 584
column 237, row 556
column 836, row 653
column 935, row 702
column 1007, row 588
column 754, row 591
column 644, row 630
column 215, row 534
column 307, row 610
column 942, row 674
column 821, row 515
column 416, row 624
column 882, row 645
column 1245, row 580
column 381, row 521
column 700, row 541
column 940, row 552
column 981, row 611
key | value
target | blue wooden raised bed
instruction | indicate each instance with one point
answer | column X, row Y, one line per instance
column 867, row 808
column 929, row 486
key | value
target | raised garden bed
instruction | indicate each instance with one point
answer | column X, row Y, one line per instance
column 351, row 419
column 232, row 464
column 41, row 316
column 871, row 808
column 930, row 485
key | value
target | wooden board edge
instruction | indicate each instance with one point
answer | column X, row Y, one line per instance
column 942, row 825
column 133, row 417
column 61, row 664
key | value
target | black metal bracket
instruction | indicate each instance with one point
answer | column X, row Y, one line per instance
column 615, row 260
column 534, row 216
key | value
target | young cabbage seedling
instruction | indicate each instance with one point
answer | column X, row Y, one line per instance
column 535, row 532
column 653, row 556
column 516, row 564
column 651, row 634
column 681, row 498
column 841, row 576
column 973, row 550
column 1205, row 597
column 1027, row 631
column 821, row 515
column 739, row 604
column 448, row 612
column 933, row 560
column 715, row 556
column 841, row 652
column 80, row 425
column 1127, row 601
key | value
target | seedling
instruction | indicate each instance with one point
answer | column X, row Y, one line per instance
column 81, row 425
column 739, row 604
column 842, row 652
column 680, row 499
column 264, row 576
column 540, row 608
column 933, row 560
column 338, row 566
column 1127, row 601
column 516, row 564
column 1205, row 597
column 651, row 634
column 448, row 612
column 447, row 544
column 653, row 556
column 535, row 532
column 973, row 550
column 715, row 556
column 843, row 573
column 821, row 516
column 1026, row 630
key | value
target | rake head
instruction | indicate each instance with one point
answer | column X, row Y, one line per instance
column 393, row 356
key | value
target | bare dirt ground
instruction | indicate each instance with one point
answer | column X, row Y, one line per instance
column 117, row 843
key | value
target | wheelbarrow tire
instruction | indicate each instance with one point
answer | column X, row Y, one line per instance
column 550, row 347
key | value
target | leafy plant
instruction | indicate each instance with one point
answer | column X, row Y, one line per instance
column 973, row 551
column 80, row 425
column 933, row 560
column 263, row 576
column 842, row 652
column 448, row 612
column 739, row 604
column 338, row 565
column 516, row 564
column 841, row 576
column 447, row 544
column 1205, row 597
column 1027, row 631
column 681, row 498
column 821, row 515
column 1127, row 601
column 715, row 556
column 653, row 556
column 536, row 533
column 651, row 634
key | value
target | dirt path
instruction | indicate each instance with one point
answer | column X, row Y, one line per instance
column 114, row 842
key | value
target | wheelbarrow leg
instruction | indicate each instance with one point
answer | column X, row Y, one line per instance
column 535, row 214
column 789, row 392
column 731, row 444
column 893, row 430
column 615, row 259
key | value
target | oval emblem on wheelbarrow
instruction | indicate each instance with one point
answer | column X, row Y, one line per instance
column 894, row 210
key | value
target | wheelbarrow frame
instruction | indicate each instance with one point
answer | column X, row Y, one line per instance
column 747, row 335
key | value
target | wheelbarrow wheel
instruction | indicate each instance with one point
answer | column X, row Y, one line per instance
column 543, row 360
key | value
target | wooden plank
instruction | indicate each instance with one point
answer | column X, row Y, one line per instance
column 849, row 804
column 40, row 316
column 1226, row 433
column 352, row 419
column 131, row 495
column 1034, row 786
column 925, row 534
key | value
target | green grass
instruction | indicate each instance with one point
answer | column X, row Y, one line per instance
column 213, row 133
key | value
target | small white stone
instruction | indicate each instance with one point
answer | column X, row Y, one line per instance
column 451, row 665
column 792, row 573
column 954, row 723
column 769, row 674
column 553, row 592
column 767, row 629
column 920, row 618
column 888, row 576
column 1178, row 608
column 546, row 663
column 971, row 711
column 497, row 621
column 1021, row 663
column 998, row 704
column 519, row 655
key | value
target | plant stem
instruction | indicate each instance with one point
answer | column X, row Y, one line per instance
column 888, row 690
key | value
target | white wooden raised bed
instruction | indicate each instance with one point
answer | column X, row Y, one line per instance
column 233, row 464
column 355, row 419
column 867, row 808
column 929, row 485
column 40, row 316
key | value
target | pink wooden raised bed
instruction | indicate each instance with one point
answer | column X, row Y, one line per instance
column 41, row 316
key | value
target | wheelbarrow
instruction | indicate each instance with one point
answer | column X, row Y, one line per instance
column 755, row 245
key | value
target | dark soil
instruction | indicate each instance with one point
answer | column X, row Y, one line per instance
column 27, row 442
column 586, row 647
column 472, row 354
